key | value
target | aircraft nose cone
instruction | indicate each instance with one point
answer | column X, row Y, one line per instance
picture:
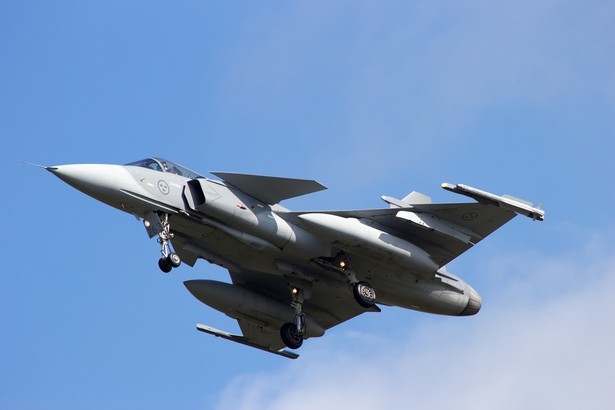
column 96, row 180
column 474, row 303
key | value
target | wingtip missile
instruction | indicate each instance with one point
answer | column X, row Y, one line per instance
column 505, row 201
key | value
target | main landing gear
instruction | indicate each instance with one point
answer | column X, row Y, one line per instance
column 169, row 260
column 363, row 292
column 292, row 333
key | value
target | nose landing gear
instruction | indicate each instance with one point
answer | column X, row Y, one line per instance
column 169, row 259
column 158, row 224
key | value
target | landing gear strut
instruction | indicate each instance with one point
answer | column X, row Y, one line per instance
column 363, row 292
column 161, row 225
column 292, row 333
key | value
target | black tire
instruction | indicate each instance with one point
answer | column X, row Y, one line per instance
column 174, row 260
column 290, row 336
column 164, row 265
column 364, row 294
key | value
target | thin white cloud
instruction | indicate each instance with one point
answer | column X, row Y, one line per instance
column 532, row 347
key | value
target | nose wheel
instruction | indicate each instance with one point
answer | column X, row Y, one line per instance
column 166, row 264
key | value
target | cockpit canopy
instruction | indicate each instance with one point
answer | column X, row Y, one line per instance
column 163, row 165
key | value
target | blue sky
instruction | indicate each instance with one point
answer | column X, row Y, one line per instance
column 370, row 99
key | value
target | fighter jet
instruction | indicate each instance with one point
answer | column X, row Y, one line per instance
column 296, row 274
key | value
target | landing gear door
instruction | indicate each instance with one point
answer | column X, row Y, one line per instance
column 153, row 224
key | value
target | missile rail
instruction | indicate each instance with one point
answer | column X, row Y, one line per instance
column 244, row 341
